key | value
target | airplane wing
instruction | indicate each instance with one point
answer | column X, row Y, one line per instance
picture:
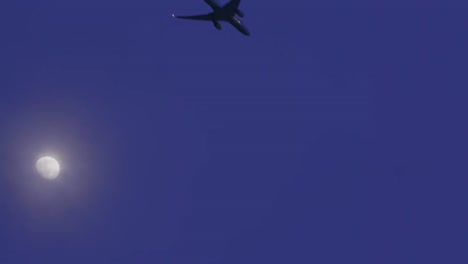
column 233, row 4
column 197, row 17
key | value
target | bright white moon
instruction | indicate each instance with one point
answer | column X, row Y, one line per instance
column 48, row 167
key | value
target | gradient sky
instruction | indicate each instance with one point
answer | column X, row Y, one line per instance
column 336, row 133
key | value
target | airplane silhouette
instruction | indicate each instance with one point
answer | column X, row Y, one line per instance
column 226, row 13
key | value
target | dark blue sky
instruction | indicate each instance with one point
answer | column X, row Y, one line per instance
column 336, row 133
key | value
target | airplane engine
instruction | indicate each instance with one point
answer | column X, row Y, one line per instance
column 239, row 13
column 217, row 25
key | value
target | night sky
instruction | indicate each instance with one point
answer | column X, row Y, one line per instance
column 335, row 133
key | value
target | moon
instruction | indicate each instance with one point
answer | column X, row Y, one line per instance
column 48, row 167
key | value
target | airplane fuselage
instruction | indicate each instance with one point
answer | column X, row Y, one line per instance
column 228, row 15
column 235, row 22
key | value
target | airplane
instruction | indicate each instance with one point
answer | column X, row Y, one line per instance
column 226, row 13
